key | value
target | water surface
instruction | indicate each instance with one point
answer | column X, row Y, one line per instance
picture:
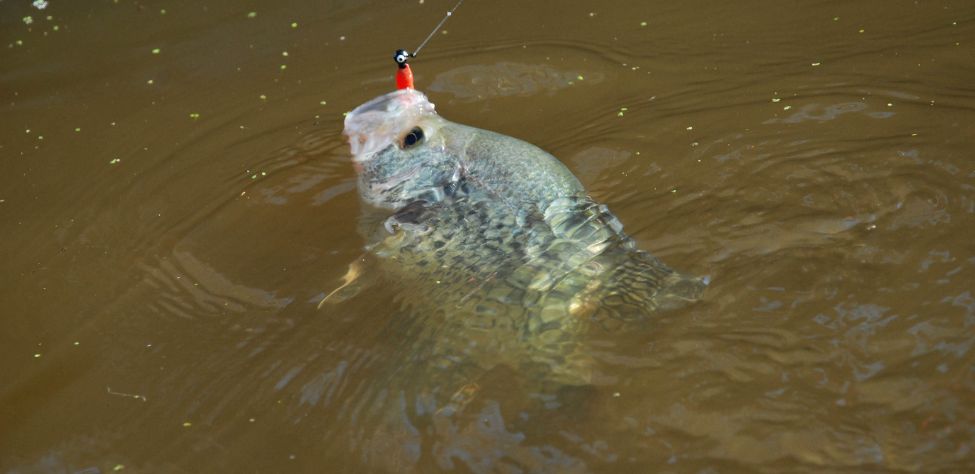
column 176, row 199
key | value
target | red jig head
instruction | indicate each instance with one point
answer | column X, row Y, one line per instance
column 404, row 75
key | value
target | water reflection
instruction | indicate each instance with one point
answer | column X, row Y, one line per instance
column 480, row 82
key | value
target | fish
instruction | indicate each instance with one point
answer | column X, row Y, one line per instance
column 518, row 258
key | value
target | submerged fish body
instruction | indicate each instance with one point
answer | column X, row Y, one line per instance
column 499, row 233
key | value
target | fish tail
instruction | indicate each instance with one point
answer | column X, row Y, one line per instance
column 641, row 284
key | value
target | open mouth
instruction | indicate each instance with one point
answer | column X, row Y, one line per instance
column 364, row 148
column 377, row 124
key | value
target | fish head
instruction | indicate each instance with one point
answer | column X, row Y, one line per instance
column 401, row 149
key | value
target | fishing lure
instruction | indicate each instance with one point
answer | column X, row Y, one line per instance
column 404, row 75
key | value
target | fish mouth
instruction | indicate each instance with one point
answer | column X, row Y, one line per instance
column 364, row 147
column 378, row 123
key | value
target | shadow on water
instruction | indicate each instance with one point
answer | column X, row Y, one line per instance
column 178, row 198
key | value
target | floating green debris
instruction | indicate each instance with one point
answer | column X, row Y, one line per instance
column 37, row 355
column 263, row 97
column 155, row 50
column 115, row 161
column 19, row 42
column 284, row 66
column 817, row 63
column 294, row 24
column 56, row 28
column 622, row 111
column 77, row 129
column 28, row 20
column 776, row 99
column 150, row 82
column 284, row 53
column 690, row 128
column 162, row 11
column 836, row 18
column 187, row 424
column 322, row 102
column 194, row 115
column 118, row 467
column 252, row 15
column 579, row 77
column 643, row 23
column 787, row 107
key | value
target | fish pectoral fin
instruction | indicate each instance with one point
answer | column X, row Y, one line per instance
column 409, row 218
column 354, row 280
column 460, row 399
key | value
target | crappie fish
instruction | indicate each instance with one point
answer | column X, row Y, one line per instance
column 499, row 234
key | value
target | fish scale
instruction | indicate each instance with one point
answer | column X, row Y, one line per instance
column 544, row 282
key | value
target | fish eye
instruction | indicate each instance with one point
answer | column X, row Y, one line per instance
column 415, row 136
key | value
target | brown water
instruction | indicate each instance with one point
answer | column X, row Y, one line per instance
column 169, row 222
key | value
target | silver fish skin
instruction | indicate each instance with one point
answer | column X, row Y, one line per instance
column 502, row 236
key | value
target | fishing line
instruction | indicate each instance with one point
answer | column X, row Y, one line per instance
column 435, row 29
column 404, row 76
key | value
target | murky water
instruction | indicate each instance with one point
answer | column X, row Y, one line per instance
column 176, row 198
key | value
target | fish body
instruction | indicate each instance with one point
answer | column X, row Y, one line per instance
column 500, row 234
